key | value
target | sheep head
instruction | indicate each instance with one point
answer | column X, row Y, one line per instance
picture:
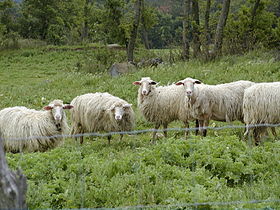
column 145, row 85
column 189, row 84
column 56, row 107
column 119, row 110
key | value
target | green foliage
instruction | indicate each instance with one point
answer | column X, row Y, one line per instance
column 136, row 171
column 100, row 61
column 128, row 173
column 57, row 22
column 8, row 26
column 242, row 33
column 165, row 32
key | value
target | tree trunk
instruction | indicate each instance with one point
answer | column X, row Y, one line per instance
column 13, row 186
column 195, row 31
column 248, row 34
column 207, row 35
column 131, row 43
column 145, row 38
column 220, row 29
column 186, row 30
column 144, row 28
column 85, row 28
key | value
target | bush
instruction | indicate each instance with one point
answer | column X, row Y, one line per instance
column 264, row 31
column 9, row 41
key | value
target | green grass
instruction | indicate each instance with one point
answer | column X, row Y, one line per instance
column 135, row 171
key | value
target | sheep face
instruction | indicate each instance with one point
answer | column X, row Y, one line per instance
column 145, row 85
column 119, row 110
column 189, row 85
column 57, row 111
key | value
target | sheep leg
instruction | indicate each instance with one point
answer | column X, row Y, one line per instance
column 121, row 137
column 109, row 138
column 200, row 125
column 165, row 130
column 205, row 125
column 196, row 127
column 273, row 131
column 81, row 139
column 246, row 133
column 76, row 129
column 155, row 132
column 256, row 133
column 187, row 126
column 82, row 136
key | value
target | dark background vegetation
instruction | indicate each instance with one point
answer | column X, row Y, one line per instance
column 250, row 24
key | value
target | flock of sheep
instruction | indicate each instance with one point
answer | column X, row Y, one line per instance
column 29, row 130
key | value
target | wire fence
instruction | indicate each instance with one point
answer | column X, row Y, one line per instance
column 136, row 132
column 83, row 188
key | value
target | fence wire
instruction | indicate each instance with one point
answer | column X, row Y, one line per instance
column 136, row 132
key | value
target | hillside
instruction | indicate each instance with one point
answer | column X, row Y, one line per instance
column 219, row 170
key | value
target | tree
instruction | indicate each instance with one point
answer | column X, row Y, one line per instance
column 220, row 28
column 112, row 25
column 144, row 28
column 186, row 30
column 248, row 33
column 207, row 35
column 134, row 31
column 85, row 29
column 148, row 20
column 13, row 185
column 195, row 28
column 6, row 15
column 55, row 21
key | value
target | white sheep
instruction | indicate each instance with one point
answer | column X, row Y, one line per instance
column 95, row 112
column 222, row 102
column 261, row 106
column 161, row 105
column 29, row 130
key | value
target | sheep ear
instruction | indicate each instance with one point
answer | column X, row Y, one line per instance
column 180, row 83
column 48, row 107
column 127, row 105
column 67, row 106
column 197, row 82
column 136, row 83
column 153, row 83
column 111, row 108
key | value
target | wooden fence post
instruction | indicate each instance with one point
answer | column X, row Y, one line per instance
column 13, row 185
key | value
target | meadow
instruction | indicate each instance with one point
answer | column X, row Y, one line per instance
column 219, row 171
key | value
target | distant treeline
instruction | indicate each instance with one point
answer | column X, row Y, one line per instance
column 248, row 24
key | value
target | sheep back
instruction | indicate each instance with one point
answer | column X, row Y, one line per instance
column 163, row 105
column 222, row 102
column 21, row 129
column 261, row 103
column 91, row 114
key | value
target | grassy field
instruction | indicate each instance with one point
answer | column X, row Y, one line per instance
column 172, row 171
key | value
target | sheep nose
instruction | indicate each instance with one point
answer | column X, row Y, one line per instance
column 118, row 117
column 57, row 117
column 145, row 92
column 189, row 93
